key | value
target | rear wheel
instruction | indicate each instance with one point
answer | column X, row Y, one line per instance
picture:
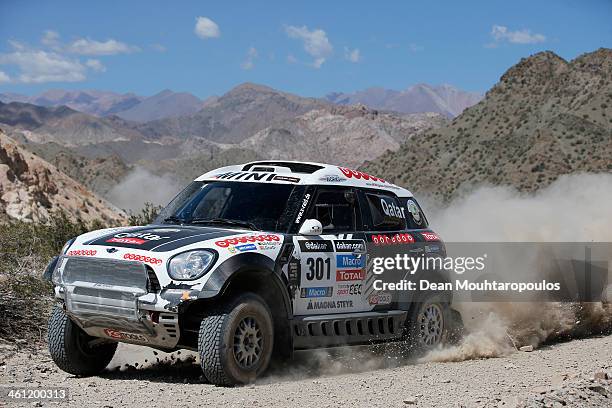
column 73, row 350
column 235, row 341
column 429, row 323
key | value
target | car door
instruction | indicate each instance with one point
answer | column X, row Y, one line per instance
column 332, row 265
column 384, row 219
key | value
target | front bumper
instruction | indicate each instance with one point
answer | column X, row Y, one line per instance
column 112, row 299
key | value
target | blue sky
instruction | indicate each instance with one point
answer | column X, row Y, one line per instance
column 309, row 48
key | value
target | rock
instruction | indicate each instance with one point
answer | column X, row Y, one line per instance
column 540, row 390
column 601, row 375
column 599, row 389
column 410, row 401
column 526, row 349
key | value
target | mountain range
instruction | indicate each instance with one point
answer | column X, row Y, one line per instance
column 444, row 99
column 545, row 117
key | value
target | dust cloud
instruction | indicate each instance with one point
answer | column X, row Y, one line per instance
column 140, row 187
column 575, row 208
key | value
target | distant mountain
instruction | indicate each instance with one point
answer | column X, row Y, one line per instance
column 166, row 104
column 346, row 135
column 64, row 125
column 546, row 117
column 32, row 189
column 99, row 103
column 444, row 99
column 128, row 106
column 235, row 116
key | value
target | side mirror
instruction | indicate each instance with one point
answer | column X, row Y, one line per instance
column 311, row 227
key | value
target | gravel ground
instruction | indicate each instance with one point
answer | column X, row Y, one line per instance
column 576, row 373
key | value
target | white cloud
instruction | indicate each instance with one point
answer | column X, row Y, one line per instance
column 4, row 78
column 37, row 66
column 316, row 43
column 87, row 46
column 249, row 62
column 501, row 33
column 50, row 38
column 206, row 28
column 352, row 55
column 95, row 65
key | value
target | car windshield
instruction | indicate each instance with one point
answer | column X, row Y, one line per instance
column 230, row 204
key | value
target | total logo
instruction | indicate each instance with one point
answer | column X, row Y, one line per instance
column 350, row 275
column 430, row 236
column 381, row 298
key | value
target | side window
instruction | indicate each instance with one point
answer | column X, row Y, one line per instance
column 386, row 212
column 336, row 210
column 414, row 214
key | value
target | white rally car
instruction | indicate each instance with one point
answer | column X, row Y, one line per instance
column 247, row 263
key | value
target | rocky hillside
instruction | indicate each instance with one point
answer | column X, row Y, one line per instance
column 546, row 117
column 346, row 135
column 64, row 125
column 444, row 99
column 165, row 104
column 32, row 189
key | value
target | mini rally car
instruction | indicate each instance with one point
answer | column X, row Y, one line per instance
column 247, row 263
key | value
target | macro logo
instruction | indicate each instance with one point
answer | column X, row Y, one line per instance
column 316, row 292
column 350, row 261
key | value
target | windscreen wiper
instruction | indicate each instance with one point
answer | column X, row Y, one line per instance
column 175, row 220
column 223, row 221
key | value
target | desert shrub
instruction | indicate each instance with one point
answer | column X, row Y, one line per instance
column 146, row 215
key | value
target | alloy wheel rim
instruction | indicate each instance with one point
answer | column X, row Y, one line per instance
column 431, row 325
column 248, row 343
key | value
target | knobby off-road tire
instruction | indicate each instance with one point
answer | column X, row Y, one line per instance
column 69, row 348
column 429, row 324
column 236, row 340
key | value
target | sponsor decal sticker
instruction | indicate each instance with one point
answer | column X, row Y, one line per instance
column 395, row 239
column 350, row 245
column 119, row 335
column 329, row 304
column 286, row 178
column 131, row 241
column 142, row 258
column 350, row 275
column 391, row 209
column 348, row 289
column 332, row 178
column 300, row 214
column 246, row 247
column 316, row 246
column 359, row 175
column 247, row 239
column 381, row 298
column 82, row 252
column 414, row 211
column 350, row 261
column 430, row 236
column 316, row 292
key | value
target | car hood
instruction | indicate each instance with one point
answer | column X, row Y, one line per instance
column 160, row 238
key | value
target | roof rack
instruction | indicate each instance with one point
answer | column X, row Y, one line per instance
column 306, row 168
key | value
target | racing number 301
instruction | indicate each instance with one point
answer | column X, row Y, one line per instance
column 317, row 267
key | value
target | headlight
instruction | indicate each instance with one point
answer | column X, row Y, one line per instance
column 191, row 265
column 67, row 246
column 56, row 277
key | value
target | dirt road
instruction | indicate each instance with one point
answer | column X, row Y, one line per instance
column 578, row 372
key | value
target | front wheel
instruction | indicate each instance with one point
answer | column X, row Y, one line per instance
column 235, row 341
column 73, row 350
